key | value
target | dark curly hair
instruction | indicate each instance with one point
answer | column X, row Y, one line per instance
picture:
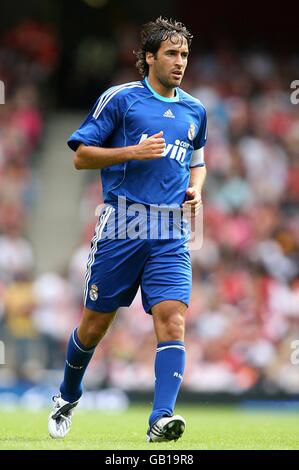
column 153, row 33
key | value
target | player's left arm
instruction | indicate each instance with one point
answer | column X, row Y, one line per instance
column 193, row 192
column 197, row 168
column 198, row 173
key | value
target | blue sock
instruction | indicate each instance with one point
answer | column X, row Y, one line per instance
column 77, row 360
column 169, row 370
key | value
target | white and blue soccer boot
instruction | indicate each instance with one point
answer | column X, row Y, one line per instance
column 60, row 420
column 167, row 428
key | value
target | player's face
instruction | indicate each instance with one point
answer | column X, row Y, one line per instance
column 169, row 63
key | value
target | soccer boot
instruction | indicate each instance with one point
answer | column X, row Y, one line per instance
column 60, row 419
column 167, row 428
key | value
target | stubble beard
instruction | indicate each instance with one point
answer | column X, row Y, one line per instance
column 170, row 83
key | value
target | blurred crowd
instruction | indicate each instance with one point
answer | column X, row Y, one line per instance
column 243, row 317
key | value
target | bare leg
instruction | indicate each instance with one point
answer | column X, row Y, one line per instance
column 93, row 327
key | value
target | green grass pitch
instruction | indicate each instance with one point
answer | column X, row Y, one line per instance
column 207, row 428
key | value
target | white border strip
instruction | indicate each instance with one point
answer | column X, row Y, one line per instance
column 173, row 346
column 98, row 233
column 112, row 91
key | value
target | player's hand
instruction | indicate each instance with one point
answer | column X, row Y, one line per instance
column 152, row 147
column 193, row 203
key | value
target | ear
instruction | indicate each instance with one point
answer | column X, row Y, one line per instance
column 149, row 57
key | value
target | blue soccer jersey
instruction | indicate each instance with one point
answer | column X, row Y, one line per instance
column 125, row 115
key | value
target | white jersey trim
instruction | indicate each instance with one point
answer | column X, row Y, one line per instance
column 97, row 236
column 109, row 94
column 197, row 158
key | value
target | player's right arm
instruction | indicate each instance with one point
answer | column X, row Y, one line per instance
column 89, row 157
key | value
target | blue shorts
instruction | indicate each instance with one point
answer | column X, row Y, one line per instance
column 118, row 266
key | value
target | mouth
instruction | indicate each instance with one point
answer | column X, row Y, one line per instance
column 177, row 74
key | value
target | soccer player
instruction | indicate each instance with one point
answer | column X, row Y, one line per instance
column 147, row 138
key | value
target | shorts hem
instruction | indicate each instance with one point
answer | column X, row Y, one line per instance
column 100, row 310
column 158, row 300
column 106, row 308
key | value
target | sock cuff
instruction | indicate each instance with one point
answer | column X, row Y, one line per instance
column 170, row 343
column 163, row 345
column 79, row 345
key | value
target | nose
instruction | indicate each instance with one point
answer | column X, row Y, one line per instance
column 179, row 60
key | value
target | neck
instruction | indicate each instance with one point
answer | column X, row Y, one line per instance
column 160, row 88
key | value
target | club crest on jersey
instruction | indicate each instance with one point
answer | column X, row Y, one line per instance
column 191, row 131
column 94, row 292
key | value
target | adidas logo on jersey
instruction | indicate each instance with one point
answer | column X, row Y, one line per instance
column 169, row 114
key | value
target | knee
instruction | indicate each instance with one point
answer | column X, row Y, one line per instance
column 171, row 327
column 175, row 327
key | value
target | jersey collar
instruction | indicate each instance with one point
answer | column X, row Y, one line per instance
column 160, row 97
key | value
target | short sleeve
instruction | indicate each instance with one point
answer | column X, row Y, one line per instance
column 99, row 124
column 201, row 138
